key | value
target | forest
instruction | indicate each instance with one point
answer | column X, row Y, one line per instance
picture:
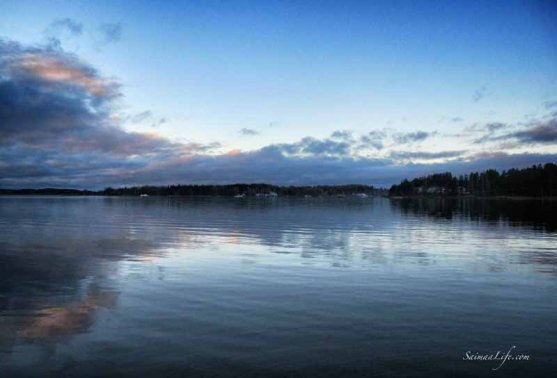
column 536, row 181
column 242, row 189
column 209, row 190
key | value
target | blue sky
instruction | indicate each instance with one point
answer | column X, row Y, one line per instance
column 322, row 92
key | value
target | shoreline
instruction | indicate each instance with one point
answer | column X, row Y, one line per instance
column 346, row 196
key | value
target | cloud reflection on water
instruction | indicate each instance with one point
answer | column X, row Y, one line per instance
column 56, row 253
column 68, row 319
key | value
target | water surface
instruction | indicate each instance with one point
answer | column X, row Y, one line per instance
column 93, row 286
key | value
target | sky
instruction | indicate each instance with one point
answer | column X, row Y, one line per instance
column 119, row 93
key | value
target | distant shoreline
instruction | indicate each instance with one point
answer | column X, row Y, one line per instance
column 232, row 190
column 383, row 194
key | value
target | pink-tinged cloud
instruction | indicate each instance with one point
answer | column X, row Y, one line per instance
column 52, row 68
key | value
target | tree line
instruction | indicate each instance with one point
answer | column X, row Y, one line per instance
column 241, row 189
column 50, row 191
column 208, row 190
column 536, row 181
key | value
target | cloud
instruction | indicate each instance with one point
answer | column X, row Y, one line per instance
column 159, row 122
column 418, row 136
column 550, row 104
column 423, row 155
column 45, row 95
column 310, row 146
column 110, row 32
column 540, row 133
column 140, row 117
column 146, row 116
column 271, row 165
column 480, row 93
column 59, row 129
column 545, row 134
column 248, row 132
column 494, row 126
column 342, row 135
column 56, row 114
column 64, row 27
column 489, row 130
column 373, row 139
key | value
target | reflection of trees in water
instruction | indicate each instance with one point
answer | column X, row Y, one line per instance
column 535, row 214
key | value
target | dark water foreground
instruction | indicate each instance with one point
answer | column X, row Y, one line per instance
column 221, row 287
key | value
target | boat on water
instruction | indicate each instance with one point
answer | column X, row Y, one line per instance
column 144, row 195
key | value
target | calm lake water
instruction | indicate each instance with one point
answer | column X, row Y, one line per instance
column 98, row 286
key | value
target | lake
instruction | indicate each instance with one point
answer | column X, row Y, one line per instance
column 285, row 287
